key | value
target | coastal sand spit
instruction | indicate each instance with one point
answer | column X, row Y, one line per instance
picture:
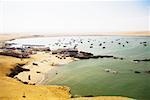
column 44, row 62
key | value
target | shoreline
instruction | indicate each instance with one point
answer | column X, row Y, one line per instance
column 27, row 34
column 9, row 85
column 10, row 36
column 40, row 92
column 71, row 97
column 41, row 64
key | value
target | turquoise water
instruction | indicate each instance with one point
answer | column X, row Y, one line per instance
column 88, row 77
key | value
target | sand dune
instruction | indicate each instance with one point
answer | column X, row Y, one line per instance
column 15, row 90
column 9, row 36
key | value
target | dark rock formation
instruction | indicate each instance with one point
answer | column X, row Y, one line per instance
column 35, row 64
column 83, row 55
column 25, row 82
column 88, row 96
column 118, row 58
column 15, row 54
column 38, row 72
column 102, row 56
column 29, row 77
column 17, row 70
column 137, row 72
column 142, row 60
column 80, row 54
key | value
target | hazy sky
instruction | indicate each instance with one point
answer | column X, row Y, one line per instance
column 74, row 16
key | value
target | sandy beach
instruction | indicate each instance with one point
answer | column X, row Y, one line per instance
column 10, row 36
column 14, row 90
column 5, row 37
column 44, row 62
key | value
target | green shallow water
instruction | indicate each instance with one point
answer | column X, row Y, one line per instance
column 87, row 77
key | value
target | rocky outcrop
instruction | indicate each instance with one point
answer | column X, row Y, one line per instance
column 142, row 60
column 80, row 54
column 17, row 70
column 73, row 53
column 15, row 54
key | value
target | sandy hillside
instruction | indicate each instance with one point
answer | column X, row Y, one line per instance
column 4, row 37
column 146, row 33
column 14, row 90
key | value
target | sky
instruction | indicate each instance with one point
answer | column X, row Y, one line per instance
column 74, row 16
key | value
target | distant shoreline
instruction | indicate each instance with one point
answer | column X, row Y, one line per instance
column 11, row 36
